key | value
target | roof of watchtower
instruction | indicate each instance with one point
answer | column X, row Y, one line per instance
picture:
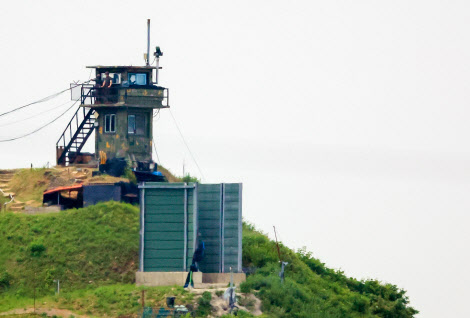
column 123, row 67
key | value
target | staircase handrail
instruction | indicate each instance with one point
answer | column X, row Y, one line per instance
column 67, row 146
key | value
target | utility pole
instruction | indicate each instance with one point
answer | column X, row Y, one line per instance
column 283, row 264
column 34, row 293
column 277, row 244
column 143, row 298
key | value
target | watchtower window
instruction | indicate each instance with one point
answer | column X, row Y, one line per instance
column 116, row 77
column 110, row 123
column 136, row 124
column 137, row 79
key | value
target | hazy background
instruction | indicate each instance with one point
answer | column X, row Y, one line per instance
column 346, row 121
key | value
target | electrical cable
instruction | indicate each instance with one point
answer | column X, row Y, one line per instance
column 155, row 148
column 186, row 144
column 45, row 99
column 153, row 140
column 33, row 116
column 38, row 129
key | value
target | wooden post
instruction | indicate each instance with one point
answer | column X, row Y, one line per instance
column 277, row 244
column 34, row 293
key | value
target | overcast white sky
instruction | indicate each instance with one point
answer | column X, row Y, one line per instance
column 346, row 121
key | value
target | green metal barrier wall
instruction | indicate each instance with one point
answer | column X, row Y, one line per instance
column 173, row 213
column 220, row 225
column 168, row 214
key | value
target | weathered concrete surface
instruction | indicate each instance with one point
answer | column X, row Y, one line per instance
column 179, row 278
column 223, row 278
column 165, row 278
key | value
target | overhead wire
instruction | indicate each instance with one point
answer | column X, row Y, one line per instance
column 42, row 127
column 155, row 118
column 45, row 99
column 35, row 115
column 155, row 148
column 186, row 144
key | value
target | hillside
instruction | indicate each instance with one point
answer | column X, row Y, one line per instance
column 94, row 253
column 28, row 185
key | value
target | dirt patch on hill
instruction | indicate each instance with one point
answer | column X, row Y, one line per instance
column 50, row 312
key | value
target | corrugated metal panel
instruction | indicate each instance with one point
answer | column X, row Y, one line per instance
column 232, row 225
column 172, row 214
column 219, row 215
column 209, row 219
column 168, row 226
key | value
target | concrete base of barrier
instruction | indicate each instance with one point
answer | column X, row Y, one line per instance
column 165, row 278
column 179, row 278
column 223, row 278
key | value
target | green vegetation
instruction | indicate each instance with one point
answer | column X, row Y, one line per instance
column 311, row 289
column 128, row 174
column 190, row 178
column 83, row 248
column 110, row 300
column 204, row 305
column 172, row 178
column 94, row 253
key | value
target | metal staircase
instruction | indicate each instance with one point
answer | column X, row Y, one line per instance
column 75, row 136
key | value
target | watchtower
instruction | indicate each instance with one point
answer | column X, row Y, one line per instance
column 120, row 113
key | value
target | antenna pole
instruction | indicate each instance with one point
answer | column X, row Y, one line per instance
column 148, row 42
column 156, row 71
column 277, row 244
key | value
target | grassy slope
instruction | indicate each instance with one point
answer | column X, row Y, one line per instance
column 93, row 251
column 83, row 248
column 29, row 184
column 311, row 289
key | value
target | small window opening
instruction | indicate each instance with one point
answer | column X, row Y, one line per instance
column 137, row 79
column 136, row 124
column 131, row 124
column 110, row 123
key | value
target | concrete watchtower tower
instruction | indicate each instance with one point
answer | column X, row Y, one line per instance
column 119, row 107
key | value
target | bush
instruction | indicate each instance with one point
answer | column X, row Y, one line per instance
column 37, row 249
column 5, row 279
column 204, row 309
column 189, row 178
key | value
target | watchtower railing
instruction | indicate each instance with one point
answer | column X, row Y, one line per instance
column 154, row 95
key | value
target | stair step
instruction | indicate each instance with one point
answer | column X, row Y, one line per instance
column 8, row 194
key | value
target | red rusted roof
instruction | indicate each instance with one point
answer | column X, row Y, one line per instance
column 69, row 188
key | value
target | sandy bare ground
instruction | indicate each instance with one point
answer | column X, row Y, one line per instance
column 221, row 307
